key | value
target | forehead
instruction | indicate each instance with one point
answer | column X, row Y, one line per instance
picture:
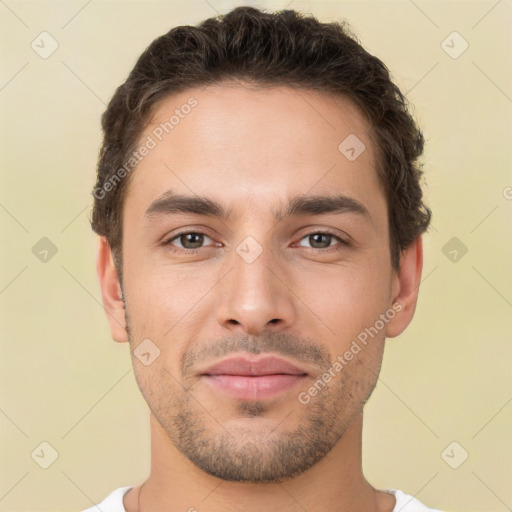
column 245, row 144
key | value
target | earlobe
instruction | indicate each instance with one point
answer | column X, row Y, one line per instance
column 111, row 291
column 406, row 288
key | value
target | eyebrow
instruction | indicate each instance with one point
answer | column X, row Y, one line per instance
column 171, row 203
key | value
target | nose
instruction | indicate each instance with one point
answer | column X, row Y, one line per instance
column 255, row 295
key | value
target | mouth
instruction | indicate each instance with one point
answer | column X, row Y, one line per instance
column 254, row 378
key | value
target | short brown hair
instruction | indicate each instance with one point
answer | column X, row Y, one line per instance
column 281, row 48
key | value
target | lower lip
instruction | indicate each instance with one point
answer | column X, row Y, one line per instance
column 254, row 387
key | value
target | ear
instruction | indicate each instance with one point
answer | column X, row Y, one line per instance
column 405, row 288
column 111, row 291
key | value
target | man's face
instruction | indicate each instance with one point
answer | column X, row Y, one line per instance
column 301, row 287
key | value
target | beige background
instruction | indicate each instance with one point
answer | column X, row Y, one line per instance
column 65, row 382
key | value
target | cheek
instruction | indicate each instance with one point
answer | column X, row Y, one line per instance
column 346, row 298
column 161, row 296
column 158, row 384
column 163, row 305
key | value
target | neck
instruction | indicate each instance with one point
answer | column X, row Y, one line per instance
column 335, row 483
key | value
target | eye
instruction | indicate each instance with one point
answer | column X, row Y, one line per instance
column 188, row 240
column 191, row 241
column 322, row 240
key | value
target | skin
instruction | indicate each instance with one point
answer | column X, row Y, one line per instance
column 251, row 150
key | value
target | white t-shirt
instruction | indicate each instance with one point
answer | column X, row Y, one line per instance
column 404, row 503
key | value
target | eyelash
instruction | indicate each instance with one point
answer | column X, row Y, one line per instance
column 344, row 243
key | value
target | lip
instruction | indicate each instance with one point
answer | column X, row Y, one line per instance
column 254, row 378
column 246, row 366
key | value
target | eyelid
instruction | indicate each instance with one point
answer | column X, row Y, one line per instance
column 343, row 240
column 168, row 239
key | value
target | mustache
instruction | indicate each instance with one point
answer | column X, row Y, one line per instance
column 285, row 344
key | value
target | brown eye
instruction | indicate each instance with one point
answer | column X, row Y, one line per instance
column 190, row 240
column 321, row 240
